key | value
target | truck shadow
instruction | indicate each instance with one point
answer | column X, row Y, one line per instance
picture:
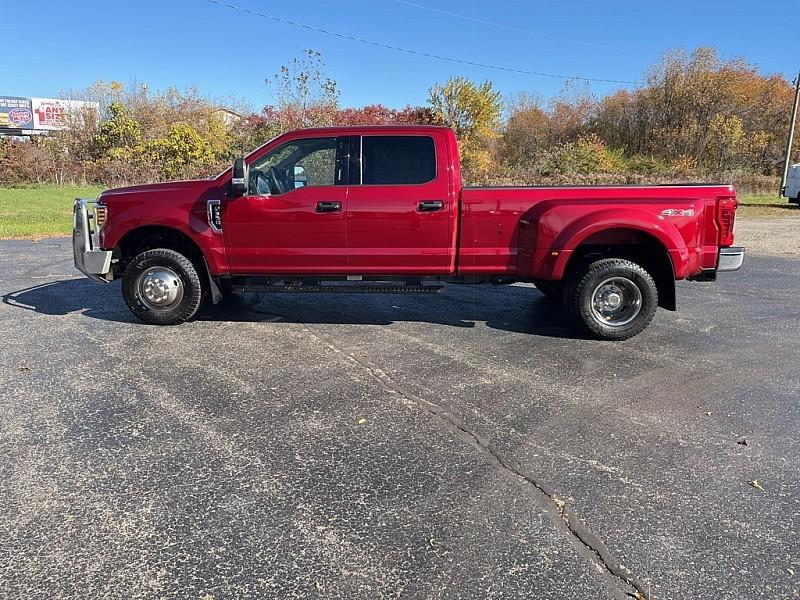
column 72, row 295
column 520, row 309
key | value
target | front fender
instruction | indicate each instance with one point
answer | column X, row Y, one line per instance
column 189, row 219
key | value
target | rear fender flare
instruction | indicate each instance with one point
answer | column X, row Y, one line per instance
column 579, row 230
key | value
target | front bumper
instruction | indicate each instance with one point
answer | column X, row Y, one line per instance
column 730, row 259
column 89, row 259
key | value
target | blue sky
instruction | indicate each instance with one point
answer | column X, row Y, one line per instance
column 61, row 46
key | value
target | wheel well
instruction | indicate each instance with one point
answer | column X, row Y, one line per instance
column 142, row 239
column 636, row 246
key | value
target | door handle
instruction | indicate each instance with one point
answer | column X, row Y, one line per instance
column 430, row 205
column 329, row 207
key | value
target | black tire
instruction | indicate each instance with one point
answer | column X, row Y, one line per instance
column 552, row 290
column 611, row 298
column 183, row 276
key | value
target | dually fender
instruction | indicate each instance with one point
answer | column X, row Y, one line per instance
column 557, row 254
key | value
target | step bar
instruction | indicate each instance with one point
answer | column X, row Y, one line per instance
column 340, row 288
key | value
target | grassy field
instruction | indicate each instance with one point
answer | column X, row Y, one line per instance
column 766, row 206
column 45, row 211
column 42, row 211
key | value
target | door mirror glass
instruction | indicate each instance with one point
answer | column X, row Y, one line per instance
column 300, row 177
column 239, row 177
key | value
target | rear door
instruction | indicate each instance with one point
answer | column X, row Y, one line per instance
column 399, row 205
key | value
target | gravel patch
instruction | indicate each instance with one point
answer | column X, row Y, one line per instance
column 779, row 236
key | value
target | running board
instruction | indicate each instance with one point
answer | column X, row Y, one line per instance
column 359, row 288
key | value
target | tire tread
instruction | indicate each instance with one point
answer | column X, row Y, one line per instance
column 591, row 272
column 193, row 288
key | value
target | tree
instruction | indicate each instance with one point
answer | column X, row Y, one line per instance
column 473, row 112
column 183, row 151
column 304, row 96
column 372, row 114
column 527, row 130
column 570, row 112
column 698, row 108
column 378, row 114
column 120, row 130
column 418, row 115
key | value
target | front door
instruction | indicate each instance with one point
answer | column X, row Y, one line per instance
column 292, row 219
column 399, row 206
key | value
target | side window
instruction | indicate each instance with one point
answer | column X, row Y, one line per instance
column 300, row 163
column 397, row 159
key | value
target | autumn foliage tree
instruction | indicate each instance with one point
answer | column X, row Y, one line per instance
column 527, row 132
column 304, row 96
column 719, row 114
column 473, row 111
column 378, row 114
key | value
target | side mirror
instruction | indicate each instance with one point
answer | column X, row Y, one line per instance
column 300, row 177
column 239, row 177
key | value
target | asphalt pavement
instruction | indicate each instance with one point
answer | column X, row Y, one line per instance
column 469, row 444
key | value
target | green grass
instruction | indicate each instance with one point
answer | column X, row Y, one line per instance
column 762, row 200
column 46, row 210
column 766, row 206
column 40, row 211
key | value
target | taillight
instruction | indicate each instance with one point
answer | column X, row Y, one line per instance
column 726, row 215
column 100, row 214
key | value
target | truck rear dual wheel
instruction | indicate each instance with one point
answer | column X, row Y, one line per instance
column 612, row 298
column 162, row 287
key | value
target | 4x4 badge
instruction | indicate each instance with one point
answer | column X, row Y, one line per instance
column 677, row 212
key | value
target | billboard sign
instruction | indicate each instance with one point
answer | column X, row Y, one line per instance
column 15, row 113
column 54, row 114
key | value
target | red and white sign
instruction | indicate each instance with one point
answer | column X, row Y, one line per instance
column 53, row 113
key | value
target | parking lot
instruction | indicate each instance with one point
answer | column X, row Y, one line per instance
column 464, row 445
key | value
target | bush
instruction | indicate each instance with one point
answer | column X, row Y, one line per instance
column 648, row 165
column 587, row 155
column 182, row 151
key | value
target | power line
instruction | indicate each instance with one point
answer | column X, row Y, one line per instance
column 415, row 52
column 574, row 41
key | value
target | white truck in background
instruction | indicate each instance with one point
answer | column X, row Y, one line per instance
column 792, row 188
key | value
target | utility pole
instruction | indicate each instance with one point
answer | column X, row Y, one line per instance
column 788, row 158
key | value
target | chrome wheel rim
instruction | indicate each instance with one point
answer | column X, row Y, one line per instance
column 160, row 288
column 616, row 301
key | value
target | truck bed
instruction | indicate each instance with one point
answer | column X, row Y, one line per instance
column 517, row 229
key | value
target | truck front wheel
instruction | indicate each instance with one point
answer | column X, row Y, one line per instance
column 612, row 298
column 162, row 287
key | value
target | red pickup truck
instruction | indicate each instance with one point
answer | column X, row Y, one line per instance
column 382, row 209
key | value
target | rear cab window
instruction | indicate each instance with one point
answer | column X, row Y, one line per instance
column 397, row 159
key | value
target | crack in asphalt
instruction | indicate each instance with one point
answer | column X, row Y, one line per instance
column 591, row 546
